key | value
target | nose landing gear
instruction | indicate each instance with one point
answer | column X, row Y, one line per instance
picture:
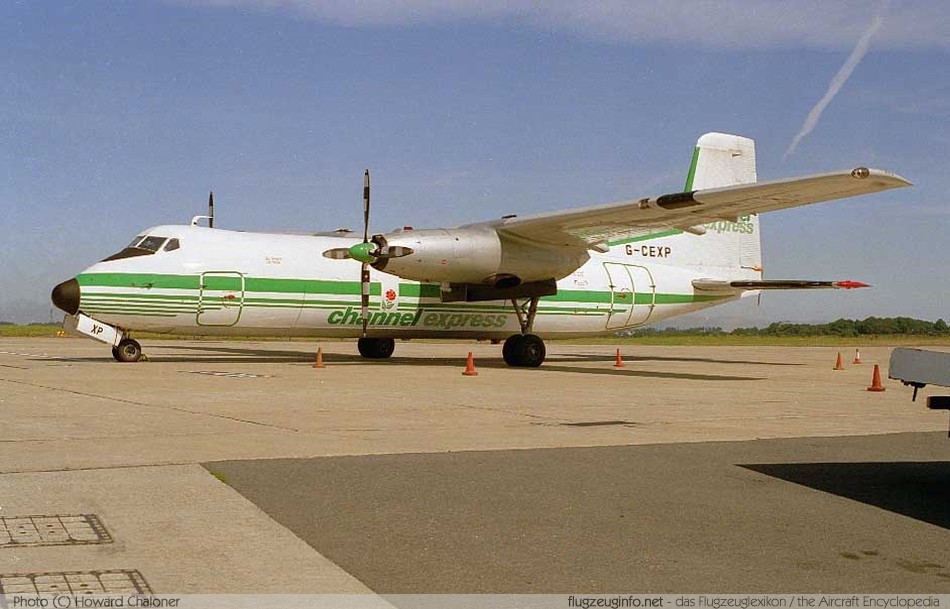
column 128, row 350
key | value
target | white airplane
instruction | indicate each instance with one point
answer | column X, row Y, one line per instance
column 580, row 272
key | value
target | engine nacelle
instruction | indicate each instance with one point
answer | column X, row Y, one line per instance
column 475, row 255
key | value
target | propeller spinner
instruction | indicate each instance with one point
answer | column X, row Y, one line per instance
column 368, row 252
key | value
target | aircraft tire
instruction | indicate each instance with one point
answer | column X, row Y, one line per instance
column 376, row 348
column 524, row 351
column 511, row 346
column 127, row 351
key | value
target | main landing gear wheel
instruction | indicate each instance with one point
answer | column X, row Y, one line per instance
column 127, row 350
column 376, row 348
column 524, row 351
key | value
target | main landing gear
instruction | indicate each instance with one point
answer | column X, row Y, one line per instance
column 524, row 350
column 376, row 348
column 127, row 350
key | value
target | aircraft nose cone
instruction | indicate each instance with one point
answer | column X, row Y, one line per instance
column 66, row 296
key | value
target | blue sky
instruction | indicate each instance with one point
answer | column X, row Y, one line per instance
column 116, row 116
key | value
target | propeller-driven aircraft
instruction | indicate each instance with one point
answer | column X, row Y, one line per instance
column 581, row 272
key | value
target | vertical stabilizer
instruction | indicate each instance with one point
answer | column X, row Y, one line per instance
column 721, row 160
column 731, row 247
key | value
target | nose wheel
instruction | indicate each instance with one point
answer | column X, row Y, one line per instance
column 127, row 351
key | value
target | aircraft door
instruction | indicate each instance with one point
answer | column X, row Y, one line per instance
column 632, row 295
column 644, row 295
column 621, row 295
column 220, row 299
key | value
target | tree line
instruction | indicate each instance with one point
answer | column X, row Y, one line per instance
column 875, row 326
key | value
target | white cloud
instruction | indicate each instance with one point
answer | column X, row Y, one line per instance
column 722, row 24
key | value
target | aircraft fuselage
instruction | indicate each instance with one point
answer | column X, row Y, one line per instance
column 219, row 282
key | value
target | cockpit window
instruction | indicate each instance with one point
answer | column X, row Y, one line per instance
column 151, row 243
column 144, row 246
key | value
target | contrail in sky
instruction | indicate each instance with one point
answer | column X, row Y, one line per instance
column 860, row 50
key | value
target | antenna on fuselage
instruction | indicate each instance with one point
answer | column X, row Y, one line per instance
column 210, row 216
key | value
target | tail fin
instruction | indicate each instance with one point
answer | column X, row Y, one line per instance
column 730, row 248
column 721, row 160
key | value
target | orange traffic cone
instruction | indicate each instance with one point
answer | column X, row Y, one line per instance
column 619, row 363
column 839, row 365
column 857, row 356
column 470, row 366
column 319, row 362
column 876, row 380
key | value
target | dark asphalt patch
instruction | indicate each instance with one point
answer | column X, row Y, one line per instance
column 918, row 490
column 714, row 517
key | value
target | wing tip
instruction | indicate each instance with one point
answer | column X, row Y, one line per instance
column 881, row 176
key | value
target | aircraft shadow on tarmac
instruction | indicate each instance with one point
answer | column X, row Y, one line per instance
column 555, row 363
column 307, row 355
column 920, row 490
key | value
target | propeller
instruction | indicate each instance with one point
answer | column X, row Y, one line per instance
column 364, row 267
column 367, row 252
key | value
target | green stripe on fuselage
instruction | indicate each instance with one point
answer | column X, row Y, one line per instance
column 581, row 302
column 139, row 280
column 420, row 290
column 224, row 282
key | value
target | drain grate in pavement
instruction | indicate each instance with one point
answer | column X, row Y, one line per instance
column 75, row 582
column 54, row 530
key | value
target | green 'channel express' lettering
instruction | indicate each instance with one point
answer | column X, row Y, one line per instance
column 446, row 321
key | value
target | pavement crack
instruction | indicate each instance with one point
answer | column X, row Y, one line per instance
column 147, row 405
column 528, row 415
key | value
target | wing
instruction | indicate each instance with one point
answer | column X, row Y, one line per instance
column 593, row 227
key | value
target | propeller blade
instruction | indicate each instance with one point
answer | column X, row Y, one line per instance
column 364, row 295
column 392, row 251
column 337, row 253
column 364, row 272
column 366, row 206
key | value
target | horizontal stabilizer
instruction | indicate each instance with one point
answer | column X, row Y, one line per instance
column 718, row 285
